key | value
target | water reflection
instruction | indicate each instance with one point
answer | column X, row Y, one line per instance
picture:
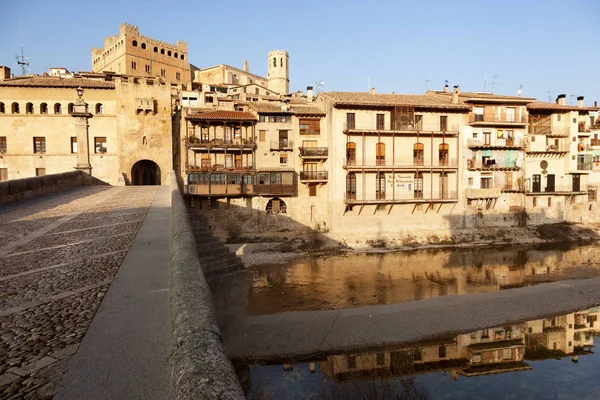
column 444, row 364
column 390, row 278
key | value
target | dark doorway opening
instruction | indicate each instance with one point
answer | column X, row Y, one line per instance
column 145, row 172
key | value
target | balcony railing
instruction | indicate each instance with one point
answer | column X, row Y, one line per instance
column 400, row 163
column 491, row 164
column 237, row 142
column 282, row 144
column 274, row 189
column 550, row 130
column 313, row 175
column 407, row 127
column 404, row 197
column 595, row 142
column 587, row 166
column 549, row 148
column 310, row 131
column 511, row 143
column 314, row 151
column 497, row 118
column 558, row 187
column 220, row 168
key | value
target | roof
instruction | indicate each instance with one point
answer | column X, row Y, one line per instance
column 307, row 110
column 39, row 81
column 496, row 345
column 234, row 68
column 543, row 106
column 268, row 108
column 466, row 96
column 427, row 100
column 222, row 116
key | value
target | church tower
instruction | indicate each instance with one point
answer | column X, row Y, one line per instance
column 278, row 71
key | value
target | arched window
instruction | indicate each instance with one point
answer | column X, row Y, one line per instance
column 380, row 188
column 155, row 49
column 14, row 108
column 175, row 55
column 29, row 108
column 418, row 189
column 2, row 109
column 443, row 153
column 419, row 154
column 99, row 108
column 350, row 153
column 134, row 43
column 144, row 46
column 162, row 51
column 57, row 108
column 380, row 153
column 281, row 62
column 182, row 57
column 351, row 186
column 169, row 53
column 274, row 61
column 70, row 108
column 43, row 108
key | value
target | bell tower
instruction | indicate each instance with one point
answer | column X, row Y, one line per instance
column 278, row 71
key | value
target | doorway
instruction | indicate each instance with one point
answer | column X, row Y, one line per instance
column 145, row 172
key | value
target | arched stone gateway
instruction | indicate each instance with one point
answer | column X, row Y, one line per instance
column 145, row 172
column 276, row 206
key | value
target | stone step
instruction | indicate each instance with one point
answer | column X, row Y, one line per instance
column 217, row 251
column 214, row 258
column 208, row 245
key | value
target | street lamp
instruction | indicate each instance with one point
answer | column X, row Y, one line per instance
column 80, row 96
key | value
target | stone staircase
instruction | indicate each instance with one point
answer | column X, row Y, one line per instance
column 215, row 258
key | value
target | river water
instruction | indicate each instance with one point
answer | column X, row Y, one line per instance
column 355, row 280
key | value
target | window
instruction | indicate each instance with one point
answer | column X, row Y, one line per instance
column 350, row 120
column 418, row 122
column 14, row 108
column 155, row 49
column 71, row 108
column 43, row 108
column 144, row 46
column 29, row 108
column 443, row 153
column 2, row 109
column 535, row 201
column 380, row 153
column 73, row 145
column 487, row 138
column 351, row 360
column 175, row 55
column 443, row 123
column 312, row 190
column 163, row 72
column 418, row 154
column 478, row 113
column 380, row 122
column 162, row 51
column 559, row 117
column 417, row 355
column 147, row 69
column 99, row 108
column 178, row 75
column 442, row 351
column 3, row 146
column 351, row 186
column 418, row 190
column 536, row 183
column 39, row 145
column 506, row 354
column 274, row 62
column 486, row 182
column 3, row 174
column 485, row 334
column 380, row 358
column 134, row 43
column 283, row 139
column 183, row 58
column 57, row 108
column 350, row 153
column 169, row 53
column 100, row 145
column 470, row 181
column 283, row 158
column 262, row 135
column 380, row 188
column 40, row 171
column 310, row 126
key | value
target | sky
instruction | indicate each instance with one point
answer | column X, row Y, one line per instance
column 548, row 47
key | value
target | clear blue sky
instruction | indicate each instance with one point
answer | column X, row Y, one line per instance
column 545, row 45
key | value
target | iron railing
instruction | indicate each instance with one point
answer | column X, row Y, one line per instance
column 314, row 151
column 400, row 163
column 282, row 144
column 313, row 175
column 498, row 118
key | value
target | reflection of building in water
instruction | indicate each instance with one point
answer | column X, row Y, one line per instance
column 486, row 351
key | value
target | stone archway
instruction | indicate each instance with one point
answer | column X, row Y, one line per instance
column 145, row 172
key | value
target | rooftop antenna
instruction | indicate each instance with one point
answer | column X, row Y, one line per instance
column 427, row 84
column 571, row 99
column 368, row 83
column 520, row 91
column 21, row 59
column 494, row 83
column 484, row 83
column 320, row 85
column 549, row 96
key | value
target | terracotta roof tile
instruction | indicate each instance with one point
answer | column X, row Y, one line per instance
column 268, row 108
column 307, row 110
column 542, row 105
column 427, row 100
column 222, row 116
column 39, row 81
column 481, row 95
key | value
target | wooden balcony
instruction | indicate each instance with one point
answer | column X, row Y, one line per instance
column 498, row 119
column 399, row 164
column 416, row 197
column 221, row 144
column 275, row 189
column 313, row 176
column 315, row 153
column 435, row 129
column 501, row 144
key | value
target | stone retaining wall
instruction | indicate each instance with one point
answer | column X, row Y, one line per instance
column 201, row 370
column 21, row 189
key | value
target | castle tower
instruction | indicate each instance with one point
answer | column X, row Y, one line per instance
column 278, row 71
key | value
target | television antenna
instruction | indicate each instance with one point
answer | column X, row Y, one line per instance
column 427, row 84
column 549, row 96
column 571, row 99
column 320, row 85
column 494, row 83
column 520, row 91
column 21, row 59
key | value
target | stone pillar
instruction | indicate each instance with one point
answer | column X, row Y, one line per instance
column 81, row 115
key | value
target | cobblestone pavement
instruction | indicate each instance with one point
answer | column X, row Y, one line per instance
column 58, row 257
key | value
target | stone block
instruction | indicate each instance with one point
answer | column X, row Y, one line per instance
column 33, row 367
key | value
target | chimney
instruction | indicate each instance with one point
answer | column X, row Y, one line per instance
column 561, row 99
column 595, row 103
column 455, row 94
column 372, row 90
column 446, row 88
column 309, row 94
column 284, row 106
column 579, row 101
column 246, row 68
column 4, row 73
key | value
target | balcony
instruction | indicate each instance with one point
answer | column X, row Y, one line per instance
column 547, row 149
column 586, row 166
column 550, row 130
column 407, row 163
column 314, row 152
column 274, row 189
column 404, row 198
column 219, row 168
column 594, row 142
column 497, row 119
column 436, row 129
column 558, row 188
column 310, row 131
column 313, row 176
column 220, row 184
column 281, row 145
column 194, row 143
column 515, row 143
column 492, row 165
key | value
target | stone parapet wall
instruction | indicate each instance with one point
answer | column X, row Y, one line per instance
column 22, row 189
column 201, row 370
